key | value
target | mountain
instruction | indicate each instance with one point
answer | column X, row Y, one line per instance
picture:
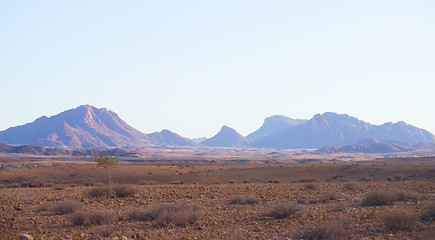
column 226, row 137
column 367, row 145
column 198, row 140
column 275, row 124
column 85, row 127
column 330, row 129
column 167, row 137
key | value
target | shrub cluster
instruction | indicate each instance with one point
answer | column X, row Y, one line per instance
column 282, row 210
column 172, row 213
column 382, row 198
column 327, row 231
column 66, row 207
column 94, row 218
column 396, row 220
column 119, row 191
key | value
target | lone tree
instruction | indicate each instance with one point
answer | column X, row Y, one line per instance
column 107, row 162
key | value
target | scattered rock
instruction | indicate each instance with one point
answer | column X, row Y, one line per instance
column 25, row 236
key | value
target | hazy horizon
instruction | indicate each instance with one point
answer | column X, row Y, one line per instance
column 194, row 66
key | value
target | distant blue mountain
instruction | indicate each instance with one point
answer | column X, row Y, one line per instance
column 226, row 137
column 87, row 127
column 275, row 124
column 330, row 129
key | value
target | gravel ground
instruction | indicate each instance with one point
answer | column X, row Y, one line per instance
column 28, row 210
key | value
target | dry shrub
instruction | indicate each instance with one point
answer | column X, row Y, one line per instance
column 178, row 214
column 99, row 192
column 339, row 207
column 240, row 199
column 397, row 220
column 78, row 218
column 407, row 196
column 327, row 231
column 100, row 217
column 172, row 213
column 382, row 198
column 141, row 215
column 282, row 210
column 379, row 198
column 124, row 191
column 97, row 218
column 67, row 206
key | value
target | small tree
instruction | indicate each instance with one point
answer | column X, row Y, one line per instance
column 107, row 162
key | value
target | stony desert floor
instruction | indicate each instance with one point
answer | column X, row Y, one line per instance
column 223, row 215
column 311, row 201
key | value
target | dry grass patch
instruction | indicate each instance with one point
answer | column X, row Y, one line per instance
column 396, row 220
column 95, row 218
column 99, row 192
column 100, row 217
column 141, row 214
column 387, row 197
column 241, row 199
column 327, row 231
column 282, row 210
column 124, row 191
column 180, row 214
column 67, row 206
column 379, row 198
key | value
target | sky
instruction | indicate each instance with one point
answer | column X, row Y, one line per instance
column 193, row 66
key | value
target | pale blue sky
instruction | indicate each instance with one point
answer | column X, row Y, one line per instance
column 193, row 66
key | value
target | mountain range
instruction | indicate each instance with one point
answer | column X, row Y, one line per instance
column 87, row 127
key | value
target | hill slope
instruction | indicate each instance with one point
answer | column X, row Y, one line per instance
column 226, row 137
column 86, row 127
column 274, row 124
column 330, row 129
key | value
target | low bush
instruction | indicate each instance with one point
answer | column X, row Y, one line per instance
column 407, row 196
column 124, row 191
column 178, row 214
column 282, row 210
column 141, row 215
column 67, row 206
column 96, row 218
column 99, row 192
column 78, row 218
column 172, row 213
column 397, row 220
column 326, row 231
column 240, row 199
column 387, row 197
column 100, row 217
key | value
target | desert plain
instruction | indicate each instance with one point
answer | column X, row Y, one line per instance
column 71, row 198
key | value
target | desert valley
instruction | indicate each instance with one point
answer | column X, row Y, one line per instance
column 330, row 177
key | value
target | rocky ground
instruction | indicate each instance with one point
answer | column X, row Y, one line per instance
column 332, row 210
